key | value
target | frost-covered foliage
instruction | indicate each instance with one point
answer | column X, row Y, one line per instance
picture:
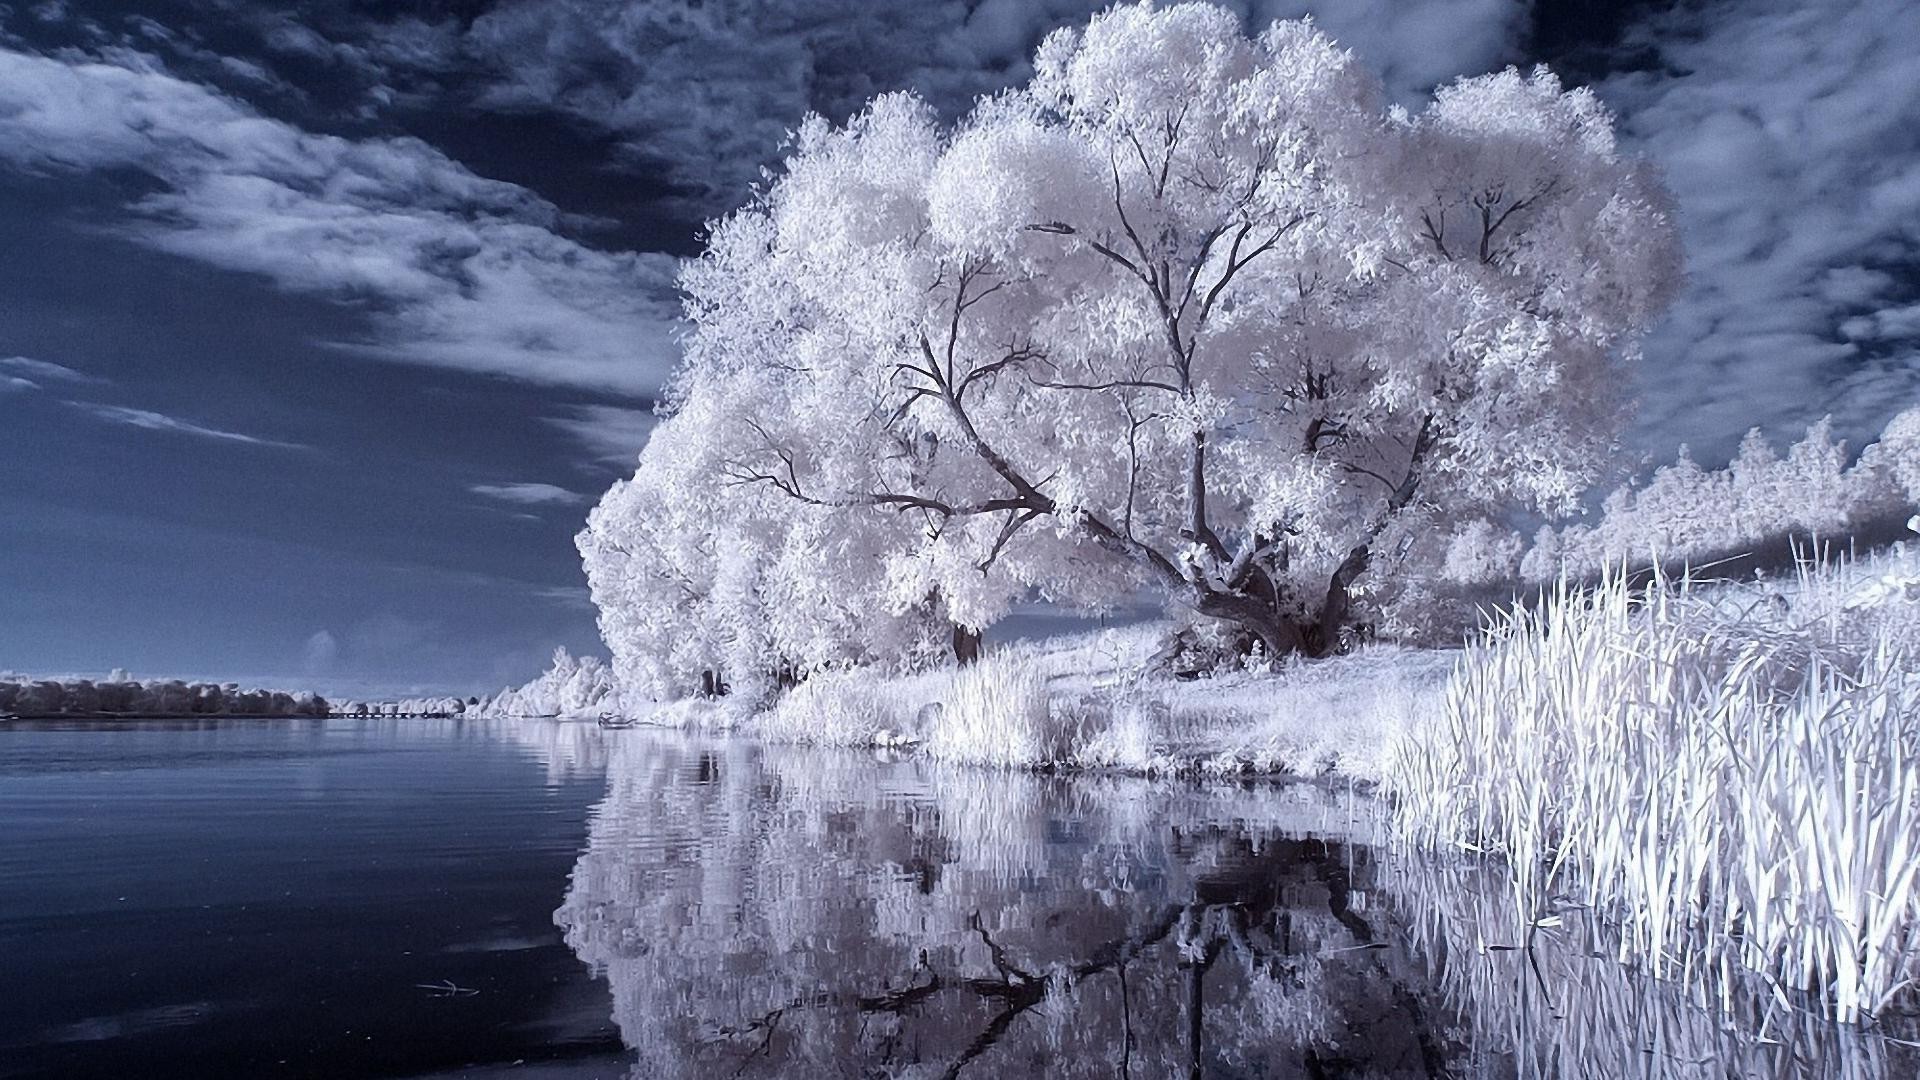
column 1726, row 777
column 998, row 712
column 1190, row 310
column 155, row 697
column 702, row 584
column 1686, row 513
column 583, row 687
column 441, row 706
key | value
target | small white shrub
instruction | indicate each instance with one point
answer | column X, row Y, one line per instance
column 833, row 708
column 997, row 712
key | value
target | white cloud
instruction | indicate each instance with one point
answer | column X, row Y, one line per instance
column 16, row 384
column 153, row 421
column 529, row 494
column 320, row 653
column 25, row 369
column 1790, row 134
column 454, row 269
column 1419, row 45
column 567, row 596
column 613, row 434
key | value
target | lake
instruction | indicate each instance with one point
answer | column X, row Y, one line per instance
column 469, row 898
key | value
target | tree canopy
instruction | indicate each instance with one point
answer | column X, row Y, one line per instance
column 1190, row 311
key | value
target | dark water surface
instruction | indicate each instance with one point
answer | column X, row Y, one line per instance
column 437, row 898
column 264, row 898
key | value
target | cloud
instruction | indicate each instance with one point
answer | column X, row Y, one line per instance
column 451, row 268
column 566, row 596
column 153, row 421
column 613, row 434
column 705, row 91
column 529, row 494
column 1416, row 46
column 1790, row 134
column 16, row 384
column 320, row 653
column 25, row 369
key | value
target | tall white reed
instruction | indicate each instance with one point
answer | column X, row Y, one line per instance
column 1721, row 787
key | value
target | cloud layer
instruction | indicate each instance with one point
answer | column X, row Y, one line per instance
column 704, row 92
column 452, row 269
column 1790, row 134
column 31, row 373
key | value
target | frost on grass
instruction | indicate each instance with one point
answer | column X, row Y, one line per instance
column 1085, row 701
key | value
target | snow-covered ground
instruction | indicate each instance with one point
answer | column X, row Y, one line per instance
column 1088, row 699
column 1080, row 700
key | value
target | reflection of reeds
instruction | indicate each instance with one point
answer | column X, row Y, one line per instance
column 1553, row 1001
column 1724, row 789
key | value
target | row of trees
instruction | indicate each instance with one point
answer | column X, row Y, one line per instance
column 1190, row 312
column 84, row 697
column 570, row 687
column 1684, row 514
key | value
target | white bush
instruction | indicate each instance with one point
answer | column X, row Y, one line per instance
column 997, row 712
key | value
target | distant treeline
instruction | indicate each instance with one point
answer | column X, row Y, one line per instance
column 84, row 697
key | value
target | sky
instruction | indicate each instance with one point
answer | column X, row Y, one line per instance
column 322, row 324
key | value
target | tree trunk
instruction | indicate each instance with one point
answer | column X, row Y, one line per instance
column 966, row 645
column 1323, row 637
column 1277, row 634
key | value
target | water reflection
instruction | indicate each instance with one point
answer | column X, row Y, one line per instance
column 1549, row 997
column 796, row 914
column 781, row 912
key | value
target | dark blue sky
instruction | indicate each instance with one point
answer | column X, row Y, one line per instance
column 323, row 323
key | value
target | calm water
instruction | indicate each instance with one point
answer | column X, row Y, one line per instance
column 431, row 898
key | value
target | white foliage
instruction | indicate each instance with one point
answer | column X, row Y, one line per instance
column 1686, row 513
column 1727, row 782
column 1482, row 553
column 997, row 713
column 1191, row 310
column 583, row 687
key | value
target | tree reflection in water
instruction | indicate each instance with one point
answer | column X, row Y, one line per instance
column 784, row 912
column 790, row 913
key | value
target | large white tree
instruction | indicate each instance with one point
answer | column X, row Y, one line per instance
column 1191, row 310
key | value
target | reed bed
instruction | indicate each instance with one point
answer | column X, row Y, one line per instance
column 1726, row 784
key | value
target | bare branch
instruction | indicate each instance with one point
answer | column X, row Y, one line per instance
column 1115, row 384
